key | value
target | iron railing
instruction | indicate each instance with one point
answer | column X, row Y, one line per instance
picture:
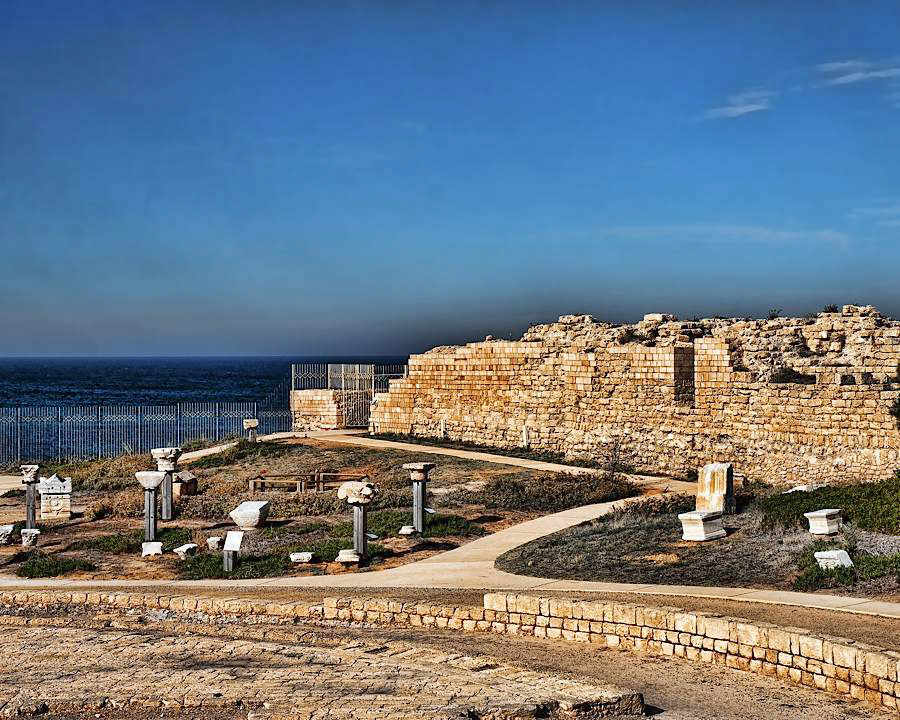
column 80, row 432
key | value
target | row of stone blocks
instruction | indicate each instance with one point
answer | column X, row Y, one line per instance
column 837, row 665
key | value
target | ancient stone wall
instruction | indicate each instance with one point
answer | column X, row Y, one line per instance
column 785, row 400
column 316, row 410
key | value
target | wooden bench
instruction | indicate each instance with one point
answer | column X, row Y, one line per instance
column 302, row 483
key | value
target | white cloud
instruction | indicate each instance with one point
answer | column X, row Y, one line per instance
column 749, row 101
column 724, row 232
column 885, row 215
column 843, row 66
column 863, row 75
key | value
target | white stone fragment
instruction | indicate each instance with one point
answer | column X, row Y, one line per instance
column 55, row 485
column 250, row 514
column 148, row 549
column 214, row 542
column 803, row 488
column 357, row 492
column 407, row 530
column 6, row 533
column 251, row 423
column 182, row 551
column 347, row 557
column 30, row 537
column 830, row 559
column 701, row 526
column 301, row 557
column 166, row 458
column 371, row 536
column 824, row 522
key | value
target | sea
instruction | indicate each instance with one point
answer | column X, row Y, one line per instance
column 152, row 381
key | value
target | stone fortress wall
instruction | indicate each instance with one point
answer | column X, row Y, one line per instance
column 786, row 400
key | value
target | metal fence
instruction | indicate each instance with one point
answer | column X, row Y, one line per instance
column 356, row 382
column 80, row 432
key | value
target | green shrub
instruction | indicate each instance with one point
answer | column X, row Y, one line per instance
column 548, row 493
column 130, row 541
column 243, row 450
column 40, row 564
column 655, row 505
column 865, row 567
column 386, row 523
column 870, row 506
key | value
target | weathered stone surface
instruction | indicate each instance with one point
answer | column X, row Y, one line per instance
column 183, row 551
column 701, row 526
column 30, row 537
column 56, row 507
column 824, row 522
column 407, row 530
column 418, row 470
column 166, row 458
column 233, row 541
column 29, row 473
column 6, row 533
column 358, row 492
column 214, row 542
column 251, row 423
column 830, row 559
column 183, row 483
column 149, row 549
column 150, row 479
column 347, row 557
column 715, row 488
column 675, row 394
column 301, row 557
column 250, row 514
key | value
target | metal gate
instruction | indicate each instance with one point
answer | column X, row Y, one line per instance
column 356, row 382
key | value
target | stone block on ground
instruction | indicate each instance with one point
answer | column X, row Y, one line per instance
column 183, row 551
column 214, row 542
column 6, row 534
column 301, row 557
column 30, row 537
column 250, row 514
column 149, row 549
column 184, row 483
column 701, row 526
column 347, row 557
column 830, row 559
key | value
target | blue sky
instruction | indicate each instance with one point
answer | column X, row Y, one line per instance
column 363, row 177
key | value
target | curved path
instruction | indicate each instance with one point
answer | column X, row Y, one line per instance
column 471, row 567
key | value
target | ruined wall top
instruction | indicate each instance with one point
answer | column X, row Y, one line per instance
column 853, row 339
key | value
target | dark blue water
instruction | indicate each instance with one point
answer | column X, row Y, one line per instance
column 150, row 381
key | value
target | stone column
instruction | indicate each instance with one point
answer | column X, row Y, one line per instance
column 358, row 494
column 418, row 476
column 150, row 480
column 166, row 462
column 360, row 522
column 30, row 480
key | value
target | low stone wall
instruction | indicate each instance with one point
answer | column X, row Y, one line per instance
column 836, row 665
column 316, row 410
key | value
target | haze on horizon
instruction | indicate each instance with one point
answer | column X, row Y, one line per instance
column 354, row 178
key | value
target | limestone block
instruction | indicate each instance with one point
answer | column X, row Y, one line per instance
column 149, row 549
column 30, row 537
column 184, row 483
column 214, row 542
column 809, row 487
column 830, row 559
column 166, row 458
column 56, row 507
column 347, row 557
column 55, row 485
column 715, row 488
column 5, row 534
column 182, row 551
column 407, row 530
column 301, row 557
column 701, row 526
column 250, row 514
column 824, row 522
column 233, row 540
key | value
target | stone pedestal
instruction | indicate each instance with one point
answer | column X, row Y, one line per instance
column 150, row 480
column 30, row 480
column 251, row 426
column 358, row 494
column 418, row 476
column 184, row 483
column 56, row 498
column 347, row 557
column 715, row 489
column 167, row 462
column 701, row 526
column 824, row 522
column 230, row 550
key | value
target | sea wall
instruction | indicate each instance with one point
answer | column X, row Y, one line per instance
column 786, row 400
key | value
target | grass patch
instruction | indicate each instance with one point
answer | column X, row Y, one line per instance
column 131, row 541
column 865, row 567
column 510, row 452
column 243, row 450
column 387, row 523
column 209, row 566
column 39, row 564
column 105, row 474
column 548, row 493
column 276, row 532
column 870, row 506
